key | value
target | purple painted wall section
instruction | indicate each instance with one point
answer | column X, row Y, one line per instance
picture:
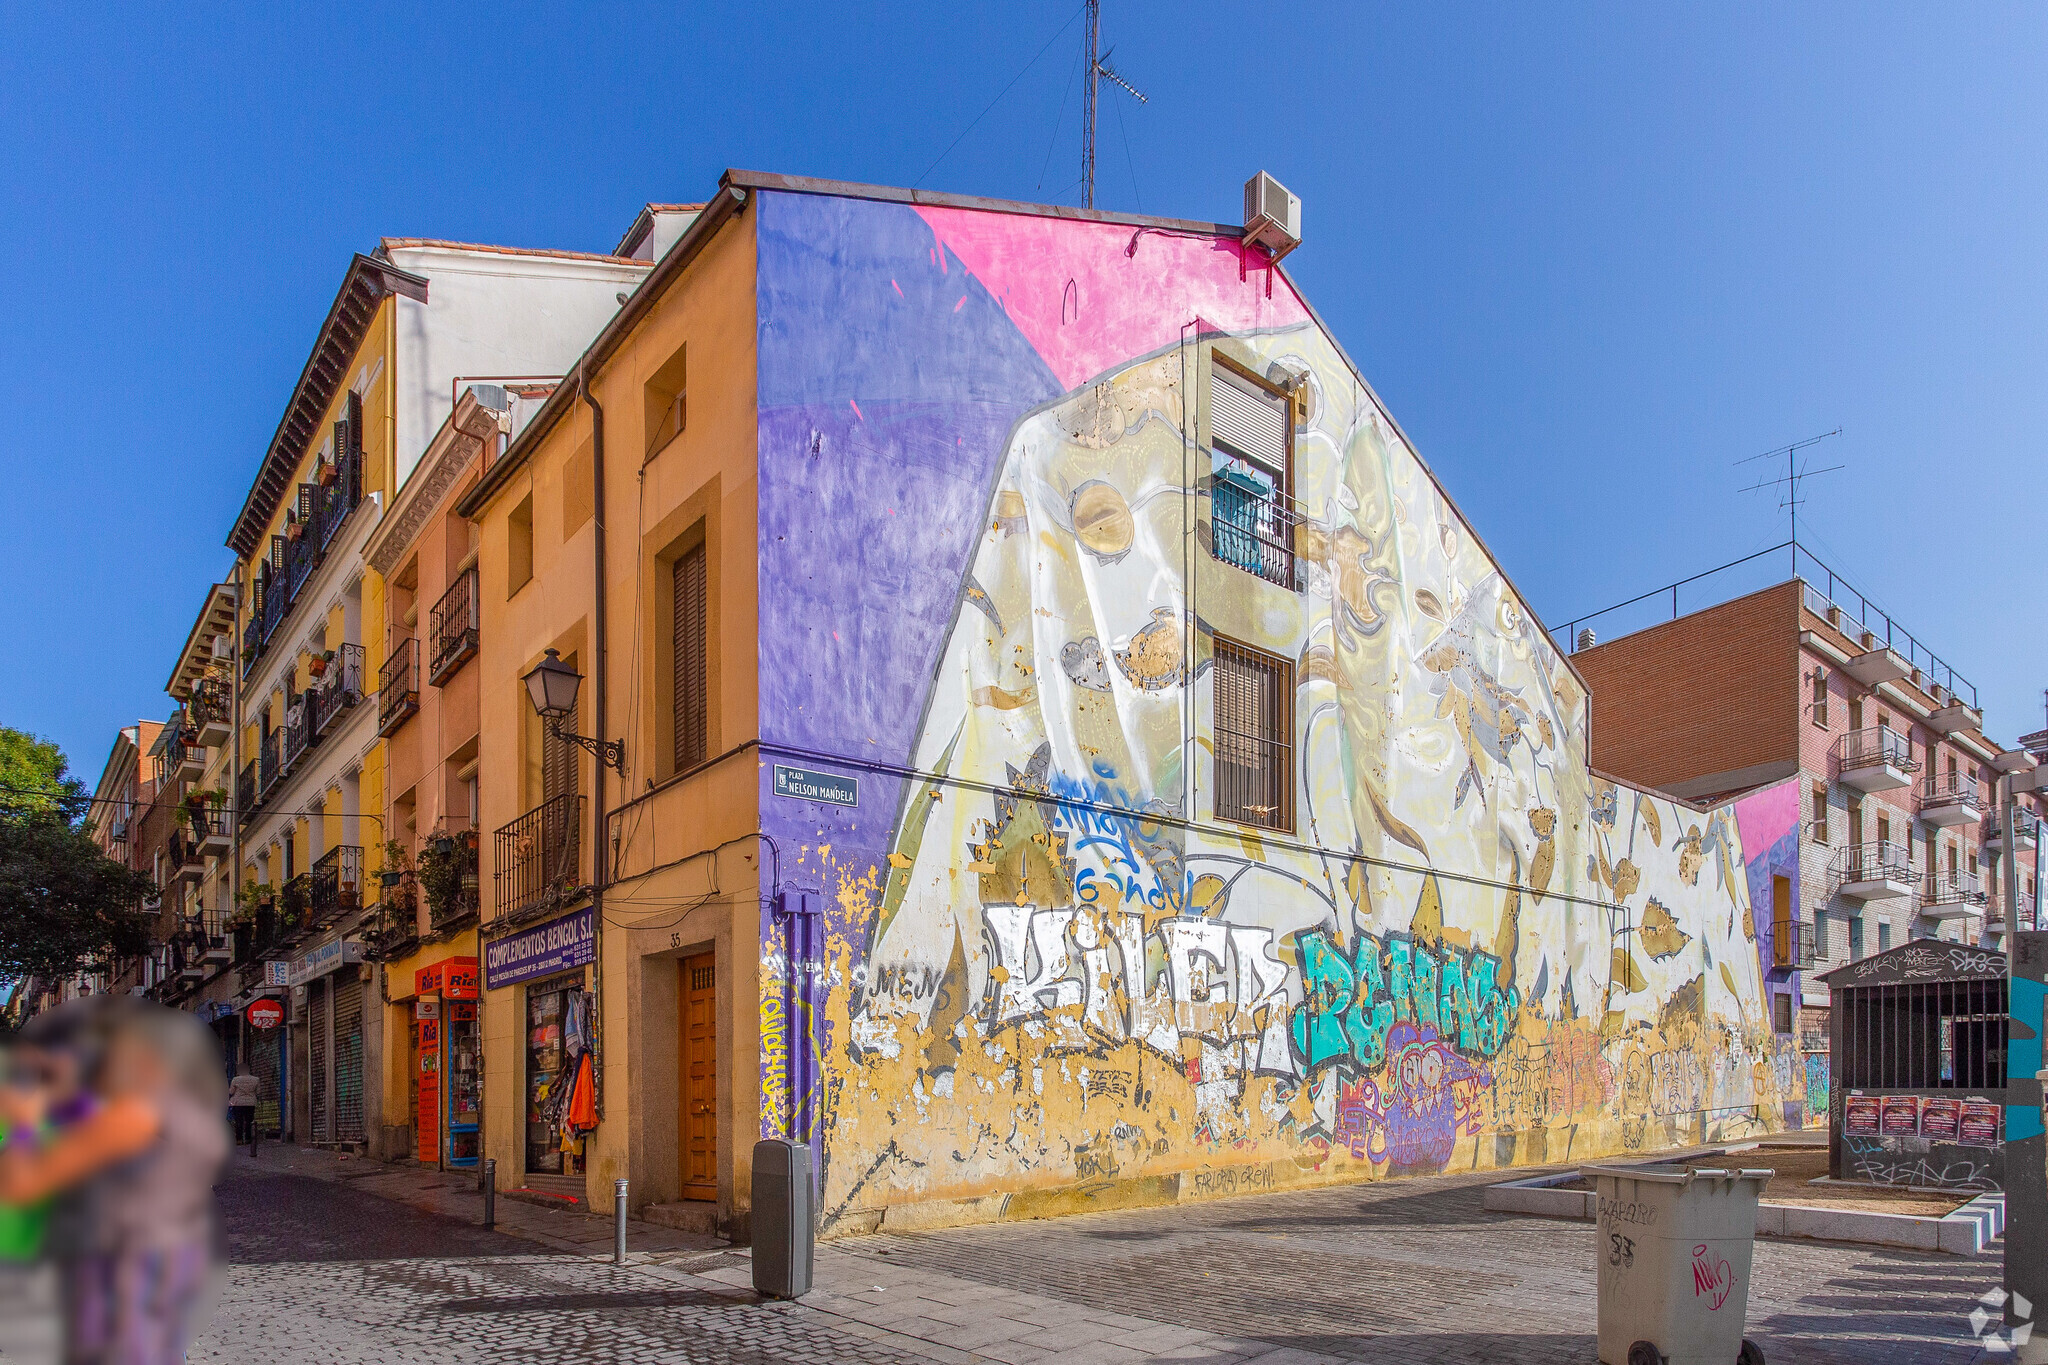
column 889, row 383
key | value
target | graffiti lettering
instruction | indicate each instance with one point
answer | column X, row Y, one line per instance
column 1712, row 1277
column 1351, row 1002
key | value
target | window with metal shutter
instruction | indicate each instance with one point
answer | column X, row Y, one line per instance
column 1254, row 722
column 348, row 1057
column 319, row 1039
column 1249, row 420
column 690, row 681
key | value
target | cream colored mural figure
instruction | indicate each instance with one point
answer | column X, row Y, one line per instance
column 1074, row 971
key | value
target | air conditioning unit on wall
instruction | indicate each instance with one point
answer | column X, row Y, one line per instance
column 1272, row 215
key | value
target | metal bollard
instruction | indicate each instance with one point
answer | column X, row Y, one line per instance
column 490, row 1194
column 618, row 1222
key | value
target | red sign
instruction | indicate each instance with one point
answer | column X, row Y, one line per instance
column 1861, row 1116
column 265, row 1013
column 453, row 978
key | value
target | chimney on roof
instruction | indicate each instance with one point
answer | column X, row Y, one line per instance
column 656, row 230
column 1587, row 639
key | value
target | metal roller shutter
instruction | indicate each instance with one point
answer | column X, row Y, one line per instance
column 1248, row 419
column 348, row 1057
column 318, row 1039
column 266, row 1060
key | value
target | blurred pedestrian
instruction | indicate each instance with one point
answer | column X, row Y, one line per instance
column 243, row 1092
column 131, row 1180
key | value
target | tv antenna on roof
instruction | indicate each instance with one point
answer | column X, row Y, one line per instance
column 1099, row 69
column 1795, row 473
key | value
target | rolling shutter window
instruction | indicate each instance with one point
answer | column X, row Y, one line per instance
column 318, row 1039
column 1254, row 722
column 348, row 1057
column 557, row 761
column 1248, row 420
column 690, row 681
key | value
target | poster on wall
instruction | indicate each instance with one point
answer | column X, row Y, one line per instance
column 1901, row 1116
column 1859, row 1116
column 1980, row 1123
column 1940, row 1118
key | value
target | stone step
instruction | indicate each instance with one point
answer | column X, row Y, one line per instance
column 699, row 1216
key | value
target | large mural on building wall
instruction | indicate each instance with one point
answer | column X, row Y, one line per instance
column 989, row 594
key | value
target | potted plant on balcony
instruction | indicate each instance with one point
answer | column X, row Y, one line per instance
column 325, row 472
column 292, row 529
column 447, row 868
column 317, row 664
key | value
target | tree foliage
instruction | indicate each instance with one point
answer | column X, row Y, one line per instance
column 64, row 905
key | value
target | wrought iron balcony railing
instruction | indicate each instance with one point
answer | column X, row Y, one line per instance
column 313, row 526
column 1792, row 945
column 211, row 711
column 1949, row 789
column 337, row 884
column 268, row 770
column 298, row 733
column 245, row 787
column 336, row 690
column 454, row 627
column 1875, row 746
column 1952, row 888
column 398, row 686
column 295, row 908
column 2025, row 824
column 539, row 855
column 1252, row 529
column 393, row 925
column 1881, row 861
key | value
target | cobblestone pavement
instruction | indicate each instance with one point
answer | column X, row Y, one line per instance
column 1416, row 1271
column 339, row 1264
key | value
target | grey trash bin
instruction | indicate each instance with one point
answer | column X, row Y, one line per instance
column 1673, row 1256
column 784, row 1232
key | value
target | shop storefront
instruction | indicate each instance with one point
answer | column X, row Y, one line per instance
column 328, row 992
column 446, row 1073
column 545, row 966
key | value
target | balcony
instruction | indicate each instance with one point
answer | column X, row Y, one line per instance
column 1250, row 528
column 392, row 928
column 453, row 628
column 1952, row 895
column 298, row 733
column 1792, row 947
column 1954, row 718
column 398, row 687
column 337, row 885
column 538, row 856
column 448, row 878
column 268, row 767
column 1950, row 799
column 1878, row 665
column 294, row 910
column 1875, row 871
column 210, row 712
column 313, row 527
column 245, row 788
column 183, row 858
column 1877, row 759
column 2026, row 828
column 209, row 825
column 336, row 690
column 184, row 760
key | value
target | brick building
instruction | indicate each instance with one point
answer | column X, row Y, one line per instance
column 1900, row 791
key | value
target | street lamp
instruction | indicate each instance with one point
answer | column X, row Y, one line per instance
column 551, row 686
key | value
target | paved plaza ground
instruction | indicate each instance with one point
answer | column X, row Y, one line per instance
column 335, row 1262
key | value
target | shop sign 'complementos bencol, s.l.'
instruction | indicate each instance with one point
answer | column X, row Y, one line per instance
column 543, row 950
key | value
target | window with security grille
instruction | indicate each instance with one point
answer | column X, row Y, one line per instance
column 1254, row 734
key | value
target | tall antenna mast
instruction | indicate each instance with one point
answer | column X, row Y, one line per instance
column 1098, row 70
column 1790, row 480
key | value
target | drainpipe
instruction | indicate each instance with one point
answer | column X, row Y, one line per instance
column 600, row 855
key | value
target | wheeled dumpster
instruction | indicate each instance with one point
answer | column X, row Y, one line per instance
column 1673, row 1262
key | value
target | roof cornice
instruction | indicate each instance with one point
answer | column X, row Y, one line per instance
column 368, row 282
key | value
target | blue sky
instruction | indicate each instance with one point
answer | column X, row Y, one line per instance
column 1589, row 255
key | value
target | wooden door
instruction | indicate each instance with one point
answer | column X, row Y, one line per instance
column 698, row 1061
